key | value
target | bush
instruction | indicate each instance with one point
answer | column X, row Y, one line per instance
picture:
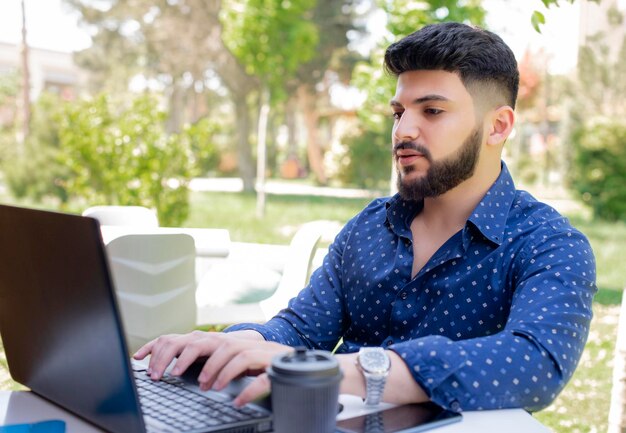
column 34, row 170
column 119, row 154
column 367, row 161
column 201, row 136
column 599, row 167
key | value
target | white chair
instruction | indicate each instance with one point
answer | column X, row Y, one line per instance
column 295, row 275
column 136, row 216
column 154, row 277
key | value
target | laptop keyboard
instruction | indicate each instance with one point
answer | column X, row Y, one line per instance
column 168, row 402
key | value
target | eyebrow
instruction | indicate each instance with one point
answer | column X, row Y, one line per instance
column 421, row 100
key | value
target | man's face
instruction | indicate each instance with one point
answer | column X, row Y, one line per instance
column 436, row 141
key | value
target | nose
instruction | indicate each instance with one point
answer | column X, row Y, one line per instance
column 406, row 128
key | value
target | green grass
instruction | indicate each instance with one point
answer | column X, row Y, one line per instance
column 608, row 241
column 284, row 213
column 583, row 405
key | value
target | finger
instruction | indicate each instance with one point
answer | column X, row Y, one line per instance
column 260, row 386
column 201, row 346
column 144, row 350
column 164, row 350
column 223, row 352
column 242, row 362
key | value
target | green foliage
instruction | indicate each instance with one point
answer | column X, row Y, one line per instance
column 34, row 169
column 272, row 38
column 201, row 136
column 404, row 17
column 601, row 76
column 121, row 155
column 599, row 167
column 537, row 19
column 367, row 163
column 9, row 86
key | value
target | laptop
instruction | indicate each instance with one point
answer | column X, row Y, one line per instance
column 63, row 336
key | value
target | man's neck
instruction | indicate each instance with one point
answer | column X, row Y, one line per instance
column 452, row 209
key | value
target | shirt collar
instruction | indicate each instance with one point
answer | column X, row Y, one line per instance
column 400, row 213
column 488, row 217
column 491, row 213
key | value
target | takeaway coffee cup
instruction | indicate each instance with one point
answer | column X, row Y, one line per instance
column 305, row 391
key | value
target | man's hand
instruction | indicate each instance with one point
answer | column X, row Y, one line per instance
column 230, row 355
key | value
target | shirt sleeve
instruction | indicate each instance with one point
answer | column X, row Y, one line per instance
column 532, row 358
column 315, row 318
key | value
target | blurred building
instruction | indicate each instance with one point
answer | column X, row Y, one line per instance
column 52, row 71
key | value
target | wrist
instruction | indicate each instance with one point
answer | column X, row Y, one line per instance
column 353, row 382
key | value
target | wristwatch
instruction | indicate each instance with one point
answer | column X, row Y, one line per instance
column 374, row 363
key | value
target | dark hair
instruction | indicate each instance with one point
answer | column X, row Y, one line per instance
column 477, row 55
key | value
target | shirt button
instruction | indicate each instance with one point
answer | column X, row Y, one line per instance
column 389, row 342
column 404, row 295
column 455, row 406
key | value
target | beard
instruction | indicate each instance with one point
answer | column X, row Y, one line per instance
column 442, row 175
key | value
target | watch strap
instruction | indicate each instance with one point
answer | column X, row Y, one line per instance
column 374, row 386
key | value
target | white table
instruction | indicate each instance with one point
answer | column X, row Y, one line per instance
column 210, row 243
column 24, row 406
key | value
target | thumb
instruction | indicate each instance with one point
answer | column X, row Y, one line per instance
column 258, row 387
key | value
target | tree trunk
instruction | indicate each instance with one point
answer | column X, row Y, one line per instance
column 315, row 152
column 176, row 108
column 617, row 411
column 264, row 102
column 25, row 82
column 290, row 121
column 239, row 84
column 244, row 152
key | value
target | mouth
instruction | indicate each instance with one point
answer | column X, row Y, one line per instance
column 407, row 157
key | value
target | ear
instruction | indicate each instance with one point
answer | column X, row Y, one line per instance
column 500, row 125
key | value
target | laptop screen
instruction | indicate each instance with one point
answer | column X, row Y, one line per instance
column 59, row 320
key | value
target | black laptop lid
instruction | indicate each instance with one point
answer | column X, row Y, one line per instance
column 59, row 319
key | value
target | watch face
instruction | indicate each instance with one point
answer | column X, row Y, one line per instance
column 374, row 361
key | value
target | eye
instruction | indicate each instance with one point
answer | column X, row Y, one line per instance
column 433, row 111
column 397, row 115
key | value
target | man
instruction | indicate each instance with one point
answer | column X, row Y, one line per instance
column 479, row 294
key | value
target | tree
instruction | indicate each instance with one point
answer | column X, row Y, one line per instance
column 35, row 171
column 333, row 60
column 250, row 44
column 136, row 39
column 120, row 154
column 598, row 109
column 272, row 38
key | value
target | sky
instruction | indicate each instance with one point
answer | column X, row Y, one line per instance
column 52, row 26
column 559, row 36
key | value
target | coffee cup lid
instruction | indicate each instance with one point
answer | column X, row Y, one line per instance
column 303, row 362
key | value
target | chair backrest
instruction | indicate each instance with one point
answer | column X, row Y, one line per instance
column 295, row 275
column 297, row 269
column 154, row 276
column 137, row 216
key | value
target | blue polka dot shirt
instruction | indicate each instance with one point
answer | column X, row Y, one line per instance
column 498, row 317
